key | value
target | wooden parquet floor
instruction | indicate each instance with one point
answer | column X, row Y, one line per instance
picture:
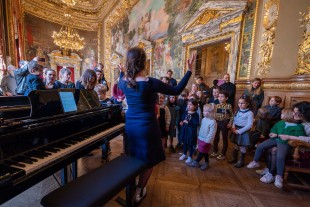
column 173, row 184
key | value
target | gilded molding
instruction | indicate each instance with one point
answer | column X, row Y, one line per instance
column 53, row 11
column 231, row 21
column 303, row 66
column 119, row 12
column 204, row 18
column 206, row 41
column 188, row 37
column 271, row 12
column 279, row 86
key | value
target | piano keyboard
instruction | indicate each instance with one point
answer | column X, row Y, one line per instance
column 37, row 160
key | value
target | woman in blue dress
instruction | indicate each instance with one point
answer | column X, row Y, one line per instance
column 142, row 127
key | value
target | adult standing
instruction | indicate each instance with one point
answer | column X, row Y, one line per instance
column 171, row 81
column 20, row 75
column 230, row 88
column 256, row 93
column 141, row 123
column 100, row 75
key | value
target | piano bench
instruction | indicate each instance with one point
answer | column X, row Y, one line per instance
column 99, row 186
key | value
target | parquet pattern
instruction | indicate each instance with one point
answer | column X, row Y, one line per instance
column 173, row 184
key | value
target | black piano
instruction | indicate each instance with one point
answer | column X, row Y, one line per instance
column 63, row 125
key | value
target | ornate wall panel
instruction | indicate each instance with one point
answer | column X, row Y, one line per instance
column 271, row 12
column 226, row 25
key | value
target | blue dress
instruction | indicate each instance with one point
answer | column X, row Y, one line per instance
column 142, row 126
column 188, row 132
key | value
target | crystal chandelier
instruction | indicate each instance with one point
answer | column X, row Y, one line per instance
column 68, row 38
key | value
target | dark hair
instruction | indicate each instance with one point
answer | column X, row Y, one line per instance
column 194, row 96
column 248, row 100
column 101, row 65
column 303, row 108
column 194, row 102
column 135, row 63
column 98, row 70
column 169, row 71
column 225, row 93
column 35, row 67
column 216, row 87
column 263, row 114
column 215, row 82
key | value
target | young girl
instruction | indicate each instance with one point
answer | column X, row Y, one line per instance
column 189, row 123
column 256, row 93
column 163, row 119
column 287, row 126
column 206, row 135
column 201, row 99
column 243, row 121
column 174, row 112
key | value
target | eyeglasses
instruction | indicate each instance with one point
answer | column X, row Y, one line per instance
column 297, row 113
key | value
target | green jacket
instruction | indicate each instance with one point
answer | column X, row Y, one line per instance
column 279, row 128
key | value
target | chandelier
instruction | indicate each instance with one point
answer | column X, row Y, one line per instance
column 68, row 38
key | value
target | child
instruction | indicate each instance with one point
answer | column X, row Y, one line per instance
column 262, row 127
column 256, row 93
column 194, row 89
column 274, row 109
column 189, row 123
column 201, row 99
column 224, row 118
column 164, row 119
column 206, row 134
column 182, row 103
column 174, row 112
column 34, row 80
column 286, row 126
column 215, row 95
column 243, row 121
column 101, row 91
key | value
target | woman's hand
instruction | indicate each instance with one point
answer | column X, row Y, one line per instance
column 273, row 135
column 191, row 61
column 121, row 68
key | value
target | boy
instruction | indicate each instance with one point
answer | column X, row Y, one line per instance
column 224, row 119
column 201, row 85
column 34, row 80
column 274, row 109
column 215, row 95
column 101, row 91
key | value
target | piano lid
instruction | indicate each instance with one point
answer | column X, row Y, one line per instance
column 46, row 103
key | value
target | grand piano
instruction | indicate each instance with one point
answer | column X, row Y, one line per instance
column 63, row 125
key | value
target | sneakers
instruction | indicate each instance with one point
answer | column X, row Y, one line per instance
column 204, row 166
column 140, row 194
column 189, row 159
column 279, row 181
column 193, row 163
column 213, row 154
column 253, row 164
column 268, row 178
column 263, row 171
column 183, row 157
column 220, row 157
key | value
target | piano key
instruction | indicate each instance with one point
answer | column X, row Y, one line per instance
column 13, row 172
column 71, row 149
column 22, row 159
column 17, row 164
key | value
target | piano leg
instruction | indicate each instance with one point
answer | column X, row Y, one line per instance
column 64, row 176
column 74, row 170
